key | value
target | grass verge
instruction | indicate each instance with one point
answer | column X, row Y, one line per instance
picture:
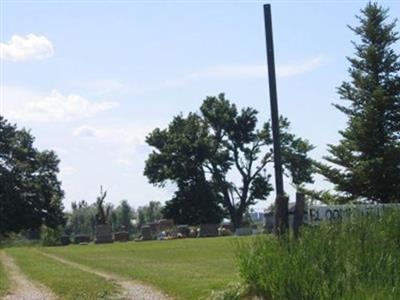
column 185, row 269
column 4, row 280
column 356, row 259
column 65, row 281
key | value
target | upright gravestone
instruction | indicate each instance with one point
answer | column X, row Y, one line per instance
column 208, row 230
column 121, row 236
column 146, row 233
column 103, row 234
column 81, row 238
column 164, row 224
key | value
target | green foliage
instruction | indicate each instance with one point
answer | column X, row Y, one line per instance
column 82, row 219
column 149, row 213
column 50, row 236
column 121, row 217
column 365, row 163
column 209, row 146
column 194, row 204
column 356, row 259
column 30, row 193
column 299, row 166
column 18, row 240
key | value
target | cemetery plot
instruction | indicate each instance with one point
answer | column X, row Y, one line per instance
column 182, row 268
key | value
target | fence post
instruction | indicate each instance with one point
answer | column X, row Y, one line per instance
column 298, row 214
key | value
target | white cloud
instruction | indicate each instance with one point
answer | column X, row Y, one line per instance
column 299, row 68
column 123, row 142
column 25, row 105
column 249, row 71
column 135, row 135
column 29, row 47
column 260, row 71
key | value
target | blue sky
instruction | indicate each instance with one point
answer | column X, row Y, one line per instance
column 92, row 78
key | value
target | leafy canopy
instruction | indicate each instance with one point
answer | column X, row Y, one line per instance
column 214, row 147
column 30, row 192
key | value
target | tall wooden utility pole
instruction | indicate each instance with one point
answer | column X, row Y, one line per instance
column 281, row 202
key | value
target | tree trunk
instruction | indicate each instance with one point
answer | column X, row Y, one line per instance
column 281, row 215
column 237, row 219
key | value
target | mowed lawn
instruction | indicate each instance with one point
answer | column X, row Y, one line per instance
column 185, row 269
column 4, row 282
column 65, row 281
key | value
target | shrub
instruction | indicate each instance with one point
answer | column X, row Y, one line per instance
column 356, row 259
column 50, row 236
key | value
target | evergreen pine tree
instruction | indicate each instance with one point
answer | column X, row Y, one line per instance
column 365, row 165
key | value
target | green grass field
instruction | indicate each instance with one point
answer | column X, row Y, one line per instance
column 185, row 269
column 64, row 281
column 4, row 282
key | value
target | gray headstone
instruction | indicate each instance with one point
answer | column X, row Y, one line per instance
column 104, row 234
column 208, row 230
column 121, row 236
column 164, row 224
column 82, row 238
column 146, row 233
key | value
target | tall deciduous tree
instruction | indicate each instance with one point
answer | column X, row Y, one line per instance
column 194, row 203
column 366, row 163
column 30, row 193
column 214, row 146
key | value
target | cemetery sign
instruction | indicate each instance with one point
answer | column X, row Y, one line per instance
column 318, row 213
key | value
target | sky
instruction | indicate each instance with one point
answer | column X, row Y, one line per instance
column 91, row 79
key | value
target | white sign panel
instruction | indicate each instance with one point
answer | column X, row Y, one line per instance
column 318, row 213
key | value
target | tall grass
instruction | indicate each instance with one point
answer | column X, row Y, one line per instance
column 355, row 259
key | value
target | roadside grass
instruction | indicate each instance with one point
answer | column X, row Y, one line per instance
column 65, row 281
column 4, row 280
column 185, row 269
column 354, row 259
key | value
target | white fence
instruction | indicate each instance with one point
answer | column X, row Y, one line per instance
column 318, row 213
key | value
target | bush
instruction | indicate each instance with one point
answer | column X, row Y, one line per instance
column 356, row 259
column 50, row 236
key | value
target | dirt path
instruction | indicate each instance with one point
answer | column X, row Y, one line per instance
column 131, row 289
column 21, row 287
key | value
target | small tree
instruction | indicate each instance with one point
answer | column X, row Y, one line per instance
column 365, row 165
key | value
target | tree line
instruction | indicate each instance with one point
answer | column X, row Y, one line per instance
column 202, row 151
column 123, row 217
